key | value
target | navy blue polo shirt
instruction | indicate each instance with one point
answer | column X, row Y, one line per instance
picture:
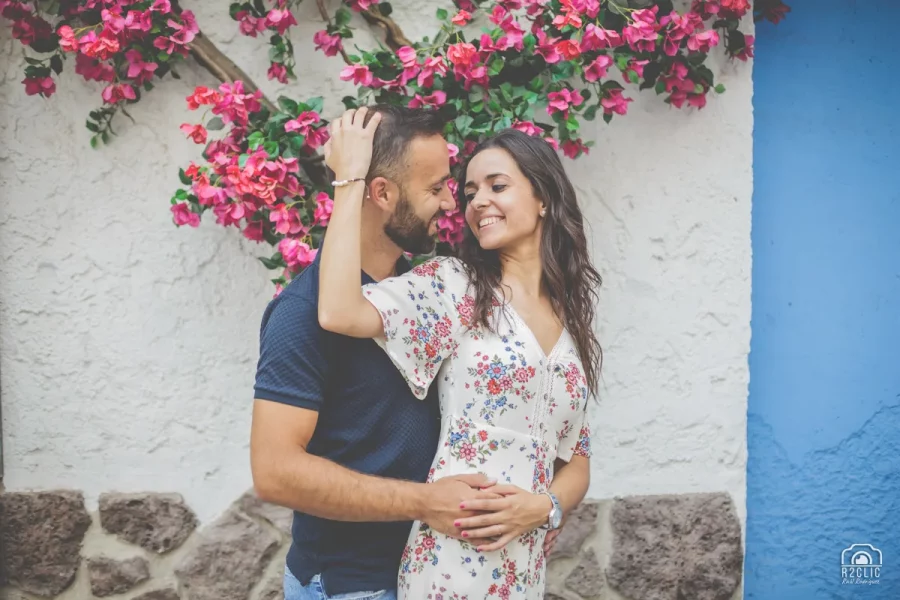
column 369, row 421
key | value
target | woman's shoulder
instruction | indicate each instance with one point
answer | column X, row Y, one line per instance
column 445, row 266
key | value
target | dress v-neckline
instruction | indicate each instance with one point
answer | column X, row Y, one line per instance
column 537, row 342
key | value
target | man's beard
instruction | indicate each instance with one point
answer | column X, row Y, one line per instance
column 407, row 230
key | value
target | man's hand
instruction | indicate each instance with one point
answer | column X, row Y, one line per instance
column 550, row 538
column 444, row 497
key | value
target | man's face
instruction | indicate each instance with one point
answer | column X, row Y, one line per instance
column 424, row 195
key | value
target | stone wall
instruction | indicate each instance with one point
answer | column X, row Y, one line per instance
column 150, row 547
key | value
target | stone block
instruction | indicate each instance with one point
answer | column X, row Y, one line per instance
column 675, row 546
column 586, row 579
column 160, row 594
column 156, row 522
column 229, row 559
column 273, row 590
column 579, row 525
column 278, row 516
column 40, row 539
column 109, row 577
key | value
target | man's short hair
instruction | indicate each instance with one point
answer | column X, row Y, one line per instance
column 398, row 128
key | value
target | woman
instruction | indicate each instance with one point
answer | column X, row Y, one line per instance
column 507, row 333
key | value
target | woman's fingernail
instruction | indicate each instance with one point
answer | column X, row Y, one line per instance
column 465, row 534
column 456, row 524
column 463, row 505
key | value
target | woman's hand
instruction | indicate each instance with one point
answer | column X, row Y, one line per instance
column 348, row 152
column 506, row 518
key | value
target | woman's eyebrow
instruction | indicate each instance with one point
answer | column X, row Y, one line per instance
column 487, row 178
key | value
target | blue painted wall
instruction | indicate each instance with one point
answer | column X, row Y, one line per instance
column 824, row 409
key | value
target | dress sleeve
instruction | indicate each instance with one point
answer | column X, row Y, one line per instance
column 421, row 317
column 576, row 438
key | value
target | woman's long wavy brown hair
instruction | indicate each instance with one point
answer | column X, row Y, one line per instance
column 568, row 275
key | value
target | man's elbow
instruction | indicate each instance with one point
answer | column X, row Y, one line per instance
column 268, row 484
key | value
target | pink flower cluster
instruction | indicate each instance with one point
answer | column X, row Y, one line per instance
column 245, row 186
column 117, row 50
column 278, row 19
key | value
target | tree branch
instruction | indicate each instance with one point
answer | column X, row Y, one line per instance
column 223, row 68
column 394, row 36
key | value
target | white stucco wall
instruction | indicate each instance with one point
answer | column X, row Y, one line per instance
column 128, row 347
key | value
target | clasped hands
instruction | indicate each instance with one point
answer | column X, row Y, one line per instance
column 474, row 508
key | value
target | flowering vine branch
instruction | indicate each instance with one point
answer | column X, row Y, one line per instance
column 542, row 66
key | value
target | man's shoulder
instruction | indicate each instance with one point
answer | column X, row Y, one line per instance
column 297, row 302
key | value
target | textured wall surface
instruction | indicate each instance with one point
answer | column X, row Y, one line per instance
column 825, row 394
column 128, row 347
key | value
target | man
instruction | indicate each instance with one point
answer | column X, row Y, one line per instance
column 337, row 434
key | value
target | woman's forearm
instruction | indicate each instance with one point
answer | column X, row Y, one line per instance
column 570, row 482
column 341, row 303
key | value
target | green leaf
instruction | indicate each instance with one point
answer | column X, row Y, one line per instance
column 342, row 16
column 92, row 127
column 181, row 194
column 272, row 263
column 297, row 141
column 590, row 113
column 720, row 89
column 184, row 178
column 93, row 141
column 287, row 105
column 607, row 117
column 385, row 9
column 242, row 160
column 633, row 77
column 271, row 148
column 56, row 64
column 660, row 87
column 496, row 66
column 463, row 122
column 34, row 61
column 215, row 124
column 349, row 102
column 315, row 104
column 442, row 14
column 234, row 9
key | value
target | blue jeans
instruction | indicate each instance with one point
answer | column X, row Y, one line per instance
column 294, row 590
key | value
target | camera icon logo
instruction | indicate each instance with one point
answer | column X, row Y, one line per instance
column 861, row 565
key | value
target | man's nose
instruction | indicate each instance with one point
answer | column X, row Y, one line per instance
column 448, row 201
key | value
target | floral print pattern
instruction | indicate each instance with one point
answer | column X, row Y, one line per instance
column 507, row 411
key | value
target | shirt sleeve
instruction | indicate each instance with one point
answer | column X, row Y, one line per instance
column 576, row 438
column 420, row 311
column 293, row 358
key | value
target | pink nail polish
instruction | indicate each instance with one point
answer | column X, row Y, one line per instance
column 465, row 534
column 462, row 505
column 456, row 524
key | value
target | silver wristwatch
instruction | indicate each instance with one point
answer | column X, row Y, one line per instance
column 554, row 519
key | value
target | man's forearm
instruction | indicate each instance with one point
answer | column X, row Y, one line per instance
column 319, row 487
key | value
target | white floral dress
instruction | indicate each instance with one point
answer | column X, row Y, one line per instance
column 507, row 410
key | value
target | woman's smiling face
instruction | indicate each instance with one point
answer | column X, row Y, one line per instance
column 501, row 208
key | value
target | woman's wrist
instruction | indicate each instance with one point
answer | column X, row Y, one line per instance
column 542, row 508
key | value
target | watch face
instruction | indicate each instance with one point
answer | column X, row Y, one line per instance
column 555, row 519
